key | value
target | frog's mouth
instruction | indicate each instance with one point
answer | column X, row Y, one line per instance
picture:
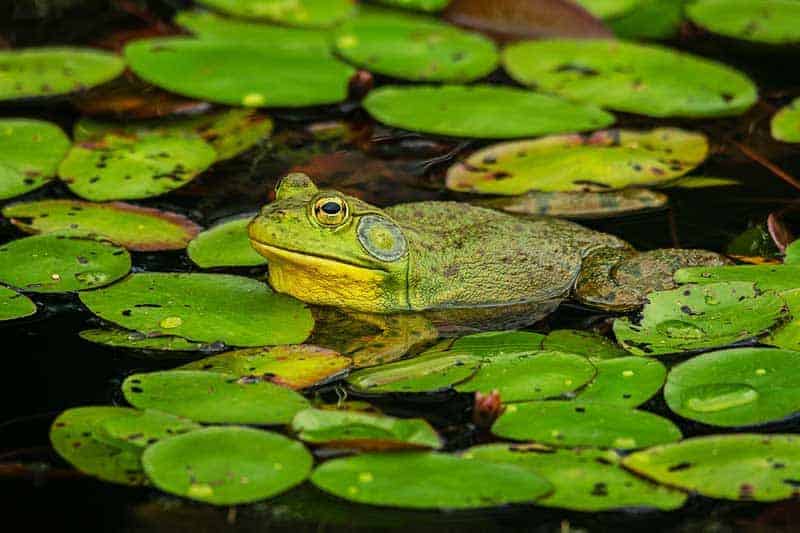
column 301, row 258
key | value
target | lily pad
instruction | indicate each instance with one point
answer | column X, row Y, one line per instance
column 121, row 338
column 584, row 479
column 624, row 381
column 433, row 372
column 733, row 388
column 142, row 229
column 415, row 48
column 14, row 305
column 473, row 111
column 766, row 277
column 759, row 21
column 427, row 480
column 611, row 159
column 747, row 467
column 650, row 19
column 698, row 317
column 227, row 465
column 585, row 343
column 140, row 429
column 787, row 336
column 496, row 343
column 209, row 308
column 30, row 151
column 310, row 13
column 418, row 5
column 644, row 79
column 61, row 263
column 609, row 9
column 225, row 245
column 73, row 436
column 294, row 366
column 213, row 398
column 785, row 124
column 222, row 72
column 53, row 71
column 574, row 424
column 363, row 431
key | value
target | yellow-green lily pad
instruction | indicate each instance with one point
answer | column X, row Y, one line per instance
column 624, row 381
column 585, row 343
column 495, row 343
column 766, row 277
column 785, row 124
column 417, row 5
column 435, row 371
column 304, row 13
column 609, row 9
column 141, row 429
column 759, row 21
column 14, row 305
column 787, row 336
column 225, row 245
column 30, row 151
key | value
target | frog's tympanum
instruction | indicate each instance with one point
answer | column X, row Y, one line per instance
column 330, row 249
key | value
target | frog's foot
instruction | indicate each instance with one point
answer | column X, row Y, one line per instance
column 399, row 334
column 619, row 280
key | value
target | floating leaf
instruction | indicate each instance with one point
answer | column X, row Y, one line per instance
column 611, row 159
column 294, row 366
column 697, row 317
column 14, row 305
column 574, row 423
column 760, row 21
column 223, row 72
column 585, row 343
column 496, row 343
column 785, row 124
column 584, row 479
column 787, row 336
column 433, row 372
column 766, row 277
column 227, row 465
column 734, row 467
column 61, row 263
column 204, row 308
column 624, row 381
column 134, row 227
column 225, row 244
column 472, row 111
column 213, row 398
column 650, row 19
column 643, row 79
column 609, row 9
column 121, row 338
column 30, row 151
column 702, row 182
column 311, row 13
column 419, row 5
column 427, row 480
column 47, row 71
column 792, row 254
column 363, row 431
column 142, row 428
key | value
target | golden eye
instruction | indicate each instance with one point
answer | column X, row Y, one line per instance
column 330, row 211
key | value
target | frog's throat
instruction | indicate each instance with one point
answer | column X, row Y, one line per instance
column 323, row 281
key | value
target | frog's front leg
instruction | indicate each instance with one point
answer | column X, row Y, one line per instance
column 619, row 279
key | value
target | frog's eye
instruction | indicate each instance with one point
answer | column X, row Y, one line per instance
column 330, row 211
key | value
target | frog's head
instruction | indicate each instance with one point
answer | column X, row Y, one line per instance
column 327, row 248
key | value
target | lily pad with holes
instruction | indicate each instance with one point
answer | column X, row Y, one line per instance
column 583, row 479
column 416, row 48
column 427, row 480
column 30, row 151
column 304, row 13
column 14, row 305
column 585, row 343
column 574, row 424
column 209, row 308
column 363, row 431
column 759, row 21
column 746, row 467
column 495, row 343
column 785, row 124
column 73, row 436
column 604, row 160
column 624, row 381
column 136, row 228
column 697, row 317
column 432, row 372
column 227, row 465
column 214, row 398
column 636, row 78
column 51, row 71
column 140, row 429
column 61, row 263
column 766, row 277
column 609, row 9
column 120, row 338
column 473, row 111
column 295, row 366
column 222, row 72
column 225, row 245
column 733, row 388
column 534, row 376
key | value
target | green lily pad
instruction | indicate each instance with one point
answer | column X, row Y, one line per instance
column 295, row 366
column 733, row 388
column 698, row 317
column 650, row 19
column 417, row 5
column 225, row 245
column 585, row 343
column 792, row 254
column 624, row 381
column 427, row 480
column 209, row 308
column 763, row 468
column 787, row 336
column 363, row 431
column 495, row 343
column 702, row 182
column 308, row 13
column 140, row 429
column 213, row 398
column 47, row 71
column 612, row 159
column 416, row 48
column 584, row 479
column 760, row 21
column 133, row 340
column 609, row 9
column 61, row 263
column 432, row 372
column 785, row 124
column 474, row 111
column 30, row 151
column 644, row 79
column 227, row 465
column 14, row 305
column 73, row 436
column 136, row 228
column 536, row 376
column 222, row 72
column 573, row 424
column 766, row 277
